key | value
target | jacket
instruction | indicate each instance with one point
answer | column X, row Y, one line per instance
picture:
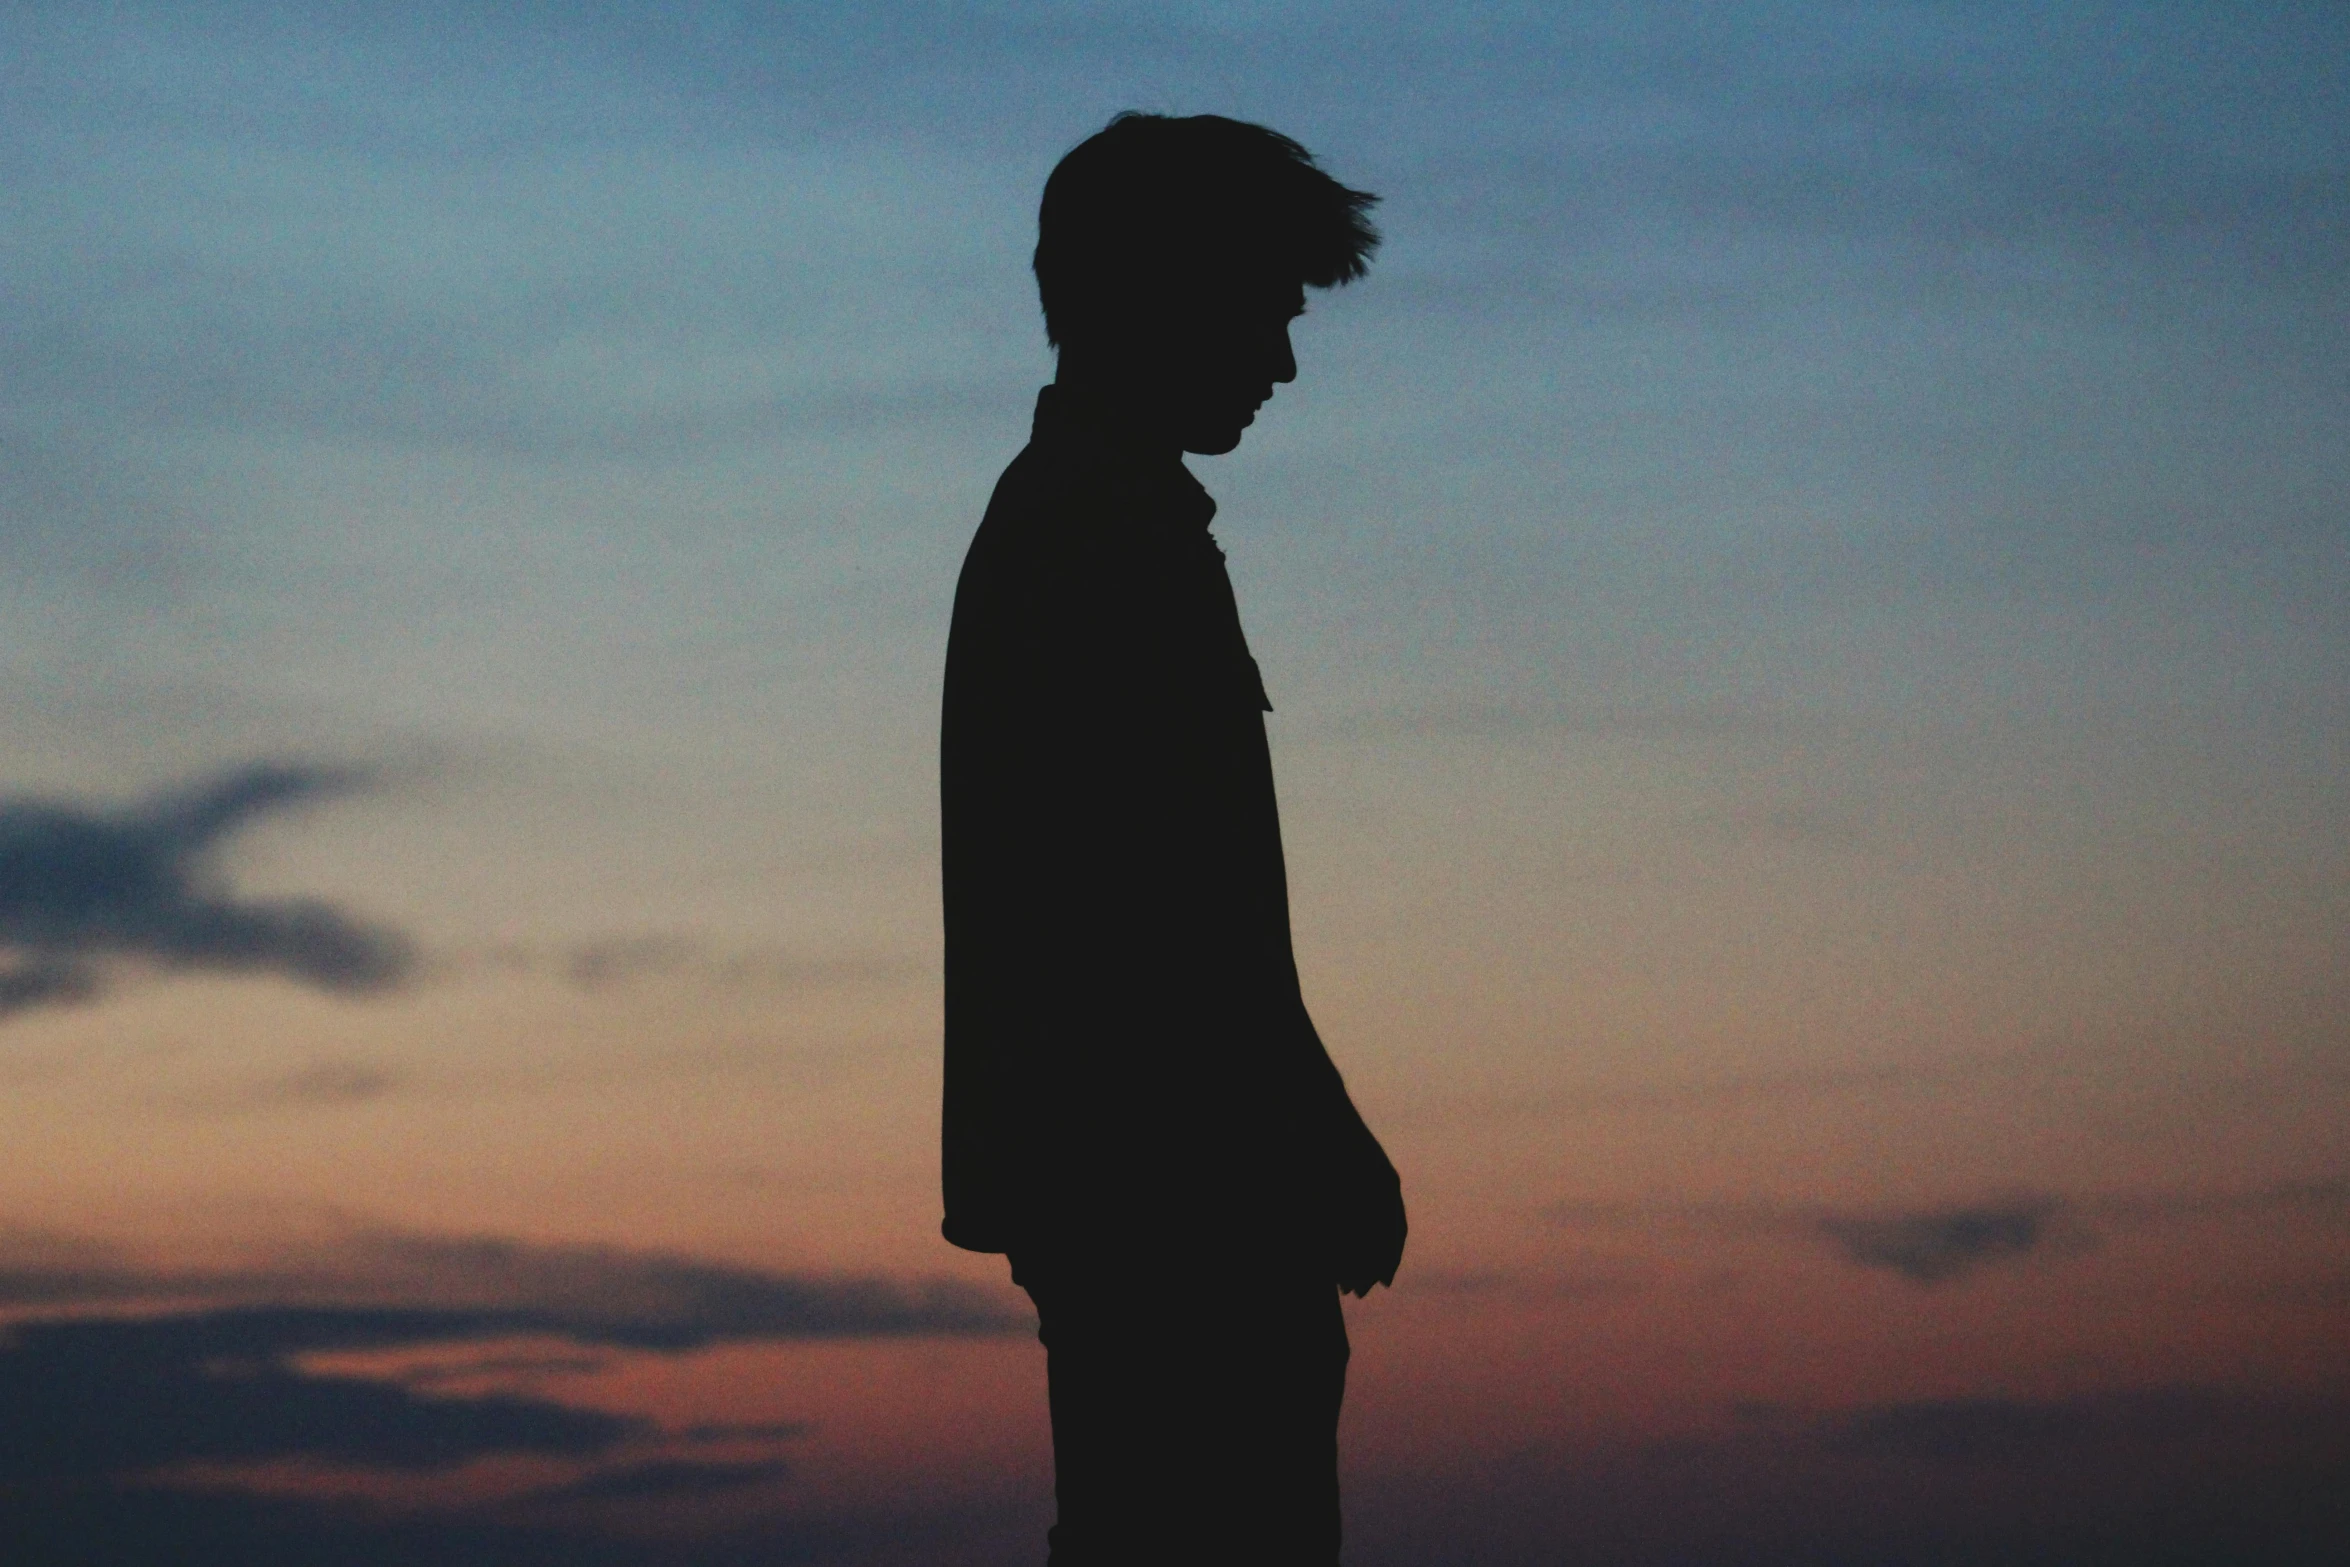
column 1130, row 1064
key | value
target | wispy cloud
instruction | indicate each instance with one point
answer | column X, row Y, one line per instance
column 616, row 963
column 1941, row 1244
column 484, row 1286
column 1944, row 1243
column 83, row 888
column 332, row 1083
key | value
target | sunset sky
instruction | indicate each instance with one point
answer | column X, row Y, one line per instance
column 1807, row 600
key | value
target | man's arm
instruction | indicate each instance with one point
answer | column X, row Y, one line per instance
column 1363, row 1194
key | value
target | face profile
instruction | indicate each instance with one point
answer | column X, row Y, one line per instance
column 1221, row 361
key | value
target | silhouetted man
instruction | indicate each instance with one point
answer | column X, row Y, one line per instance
column 1138, row 1108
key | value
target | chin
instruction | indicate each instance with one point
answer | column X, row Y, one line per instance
column 1214, row 440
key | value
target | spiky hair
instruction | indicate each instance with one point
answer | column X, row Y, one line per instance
column 1144, row 204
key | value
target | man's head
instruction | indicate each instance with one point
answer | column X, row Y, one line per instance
column 1172, row 254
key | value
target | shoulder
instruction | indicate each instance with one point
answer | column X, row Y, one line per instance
column 1056, row 521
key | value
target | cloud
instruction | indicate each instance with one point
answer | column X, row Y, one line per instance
column 659, row 1301
column 82, row 888
column 219, row 1372
column 1937, row 1246
column 1926, row 1246
column 595, row 964
column 1941, row 1244
column 616, row 963
column 330, row 1083
column 107, row 1397
column 597, row 1295
column 34, row 982
column 124, row 1439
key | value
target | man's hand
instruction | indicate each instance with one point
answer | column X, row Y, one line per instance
column 1368, row 1223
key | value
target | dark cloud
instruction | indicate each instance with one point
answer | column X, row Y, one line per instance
column 100, row 1398
column 1938, row 1245
column 649, row 1300
column 589, row 1294
column 1941, row 1244
column 44, row 981
column 83, row 887
column 220, row 1370
column 101, row 1419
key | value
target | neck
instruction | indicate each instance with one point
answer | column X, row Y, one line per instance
column 1107, row 393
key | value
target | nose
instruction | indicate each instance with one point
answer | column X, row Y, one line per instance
column 1284, row 366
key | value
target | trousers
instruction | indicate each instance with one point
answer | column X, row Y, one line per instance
column 1192, row 1423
